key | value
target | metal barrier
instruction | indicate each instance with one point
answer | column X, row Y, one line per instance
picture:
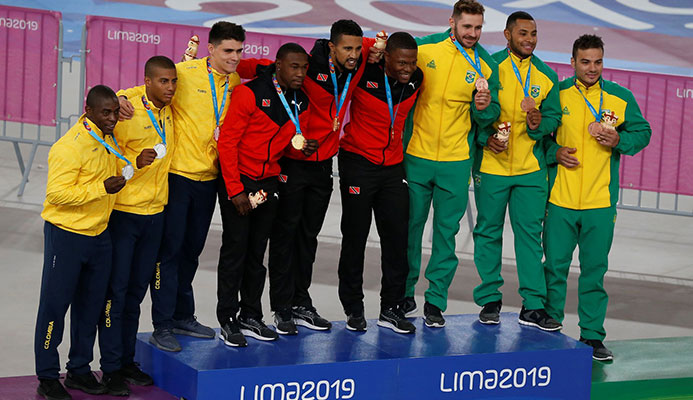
column 30, row 80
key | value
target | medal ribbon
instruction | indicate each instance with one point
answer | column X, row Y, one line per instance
column 393, row 114
column 525, row 87
column 160, row 129
column 477, row 65
column 103, row 142
column 217, row 111
column 293, row 118
column 597, row 115
column 339, row 102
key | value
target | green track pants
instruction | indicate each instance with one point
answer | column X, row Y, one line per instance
column 446, row 184
column 593, row 232
column 525, row 197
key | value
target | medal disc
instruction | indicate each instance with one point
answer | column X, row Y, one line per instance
column 594, row 128
column 298, row 141
column 527, row 104
column 216, row 133
column 128, row 171
column 160, row 150
column 335, row 124
column 481, row 84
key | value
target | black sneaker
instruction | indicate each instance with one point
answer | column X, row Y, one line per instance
column 52, row 389
column 394, row 319
column 409, row 306
column 163, row 339
column 539, row 319
column 490, row 313
column 115, row 384
column 134, row 375
column 309, row 317
column 356, row 323
column 284, row 322
column 257, row 329
column 433, row 317
column 86, row 383
column 231, row 334
column 599, row 351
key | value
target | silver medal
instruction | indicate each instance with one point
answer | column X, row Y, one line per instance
column 128, row 171
column 160, row 150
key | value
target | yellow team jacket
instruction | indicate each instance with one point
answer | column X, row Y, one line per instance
column 146, row 193
column 595, row 182
column 193, row 115
column 444, row 117
column 76, row 198
column 525, row 153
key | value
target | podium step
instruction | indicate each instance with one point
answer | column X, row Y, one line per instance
column 466, row 359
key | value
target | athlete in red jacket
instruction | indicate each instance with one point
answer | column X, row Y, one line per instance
column 371, row 180
column 264, row 116
column 306, row 182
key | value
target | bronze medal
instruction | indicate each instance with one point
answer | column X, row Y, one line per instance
column 481, row 84
column 335, row 124
column 594, row 128
column 528, row 104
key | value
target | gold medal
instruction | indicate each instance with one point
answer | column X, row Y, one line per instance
column 528, row 104
column 298, row 141
column 335, row 124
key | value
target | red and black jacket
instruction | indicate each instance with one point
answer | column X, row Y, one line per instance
column 318, row 85
column 368, row 132
column 256, row 131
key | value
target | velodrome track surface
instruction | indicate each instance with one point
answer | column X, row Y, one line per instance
column 651, row 273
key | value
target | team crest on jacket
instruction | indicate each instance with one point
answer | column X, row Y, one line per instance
column 371, row 85
column 470, row 76
column 266, row 102
column 536, row 89
column 354, row 189
column 322, row 77
column 282, row 178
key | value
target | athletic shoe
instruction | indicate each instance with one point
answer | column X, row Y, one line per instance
column 257, row 329
column 356, row 323
column 309, row 317
column 539, row 319
column 409, row 306
column 134, row 375
column 284, row 322
column 86, row 383
column 231, row 334
column 164, row 340
column 115, row 384
column 490, row 313
column 394, row 319
column 433, row 317
column 599, row 351
column 190, row 327
column 52, row 389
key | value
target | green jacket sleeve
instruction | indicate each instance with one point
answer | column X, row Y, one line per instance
column 635, row 131
column 550, row 147
column 550, row 112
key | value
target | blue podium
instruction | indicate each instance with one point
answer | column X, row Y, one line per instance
column 464, row 360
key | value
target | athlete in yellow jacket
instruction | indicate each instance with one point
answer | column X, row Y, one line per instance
column 511, row 172
column 601, row 121
column 137, row 221
column 199, row 108
column 458, row 96
column 80, row 192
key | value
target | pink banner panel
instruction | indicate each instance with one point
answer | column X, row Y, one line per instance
column 29, row 73
column 666, row 101
column 118, row 48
